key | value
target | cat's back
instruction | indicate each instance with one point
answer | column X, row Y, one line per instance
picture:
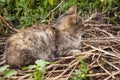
column 32, row 36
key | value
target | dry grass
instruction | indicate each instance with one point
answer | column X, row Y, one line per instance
column 100, row 50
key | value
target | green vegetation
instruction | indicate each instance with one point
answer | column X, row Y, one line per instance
column 39, row 69
column 27, row 12
column 38, row 73
column 81, row 73
column 6, row 72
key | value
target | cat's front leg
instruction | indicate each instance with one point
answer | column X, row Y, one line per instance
column 70, row 52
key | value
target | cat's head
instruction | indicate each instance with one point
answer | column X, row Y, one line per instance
column 69, row 20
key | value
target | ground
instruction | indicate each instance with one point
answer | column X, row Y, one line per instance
column 100, row 49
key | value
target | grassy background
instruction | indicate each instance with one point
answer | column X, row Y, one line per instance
column 23, row 13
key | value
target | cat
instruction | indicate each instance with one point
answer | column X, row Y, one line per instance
column 45, row 42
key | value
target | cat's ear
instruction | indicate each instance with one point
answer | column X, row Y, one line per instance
column 74, row 19
column 73, row 9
